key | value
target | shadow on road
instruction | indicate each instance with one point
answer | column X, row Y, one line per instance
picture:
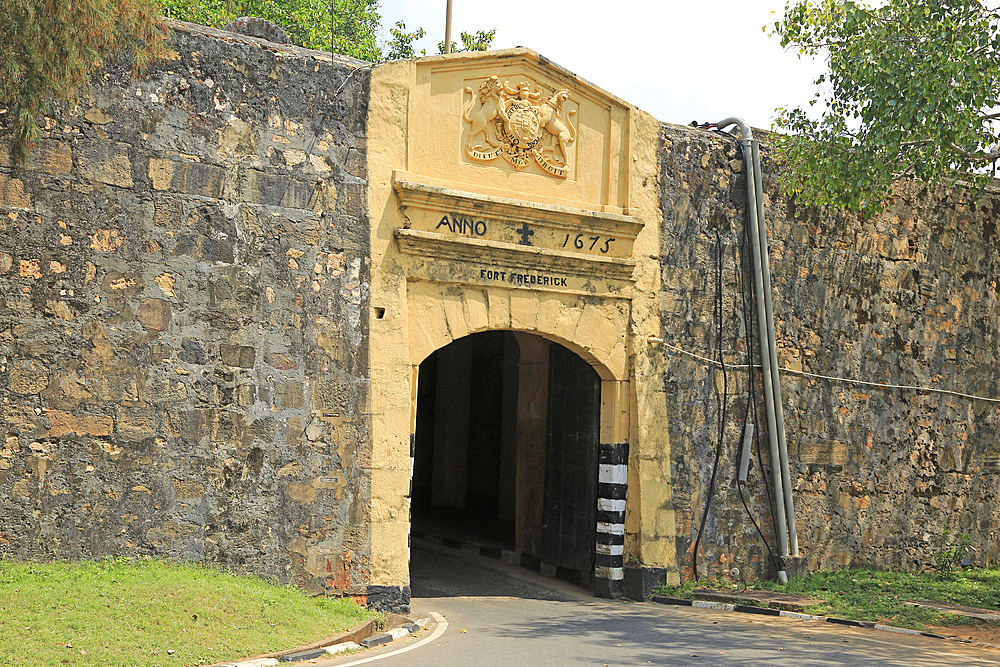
column 689, row 639
column 437, row 571
column 529, row 619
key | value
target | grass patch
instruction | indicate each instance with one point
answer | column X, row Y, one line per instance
column 147, row 612
column 870, row 595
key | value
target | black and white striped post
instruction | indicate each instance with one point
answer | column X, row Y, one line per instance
column 609, row 565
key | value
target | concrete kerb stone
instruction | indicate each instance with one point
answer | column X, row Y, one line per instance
column 303, row 655
column 765, row 611
column 351, row 636
column 256, row 662
column 379, row 639
column 341, row 647
column 389, row 636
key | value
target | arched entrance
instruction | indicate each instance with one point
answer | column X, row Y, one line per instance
column 507, row 451
column 434, row 316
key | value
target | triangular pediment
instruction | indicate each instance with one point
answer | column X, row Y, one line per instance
column 512, row 123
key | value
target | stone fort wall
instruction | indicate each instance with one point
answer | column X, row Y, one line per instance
column 907, row 298
column 183, row 310
column 184, row 372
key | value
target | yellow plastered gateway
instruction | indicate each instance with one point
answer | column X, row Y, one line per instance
column 507, row 194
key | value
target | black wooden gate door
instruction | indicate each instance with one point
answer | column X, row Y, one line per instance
column 570, row 516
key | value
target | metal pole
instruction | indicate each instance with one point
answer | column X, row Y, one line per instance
column 762, row 326
column 779, row 412
column 447, row 29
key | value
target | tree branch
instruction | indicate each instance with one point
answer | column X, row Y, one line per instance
column 978, row 157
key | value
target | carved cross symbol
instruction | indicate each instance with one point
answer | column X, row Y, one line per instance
column 525, row 233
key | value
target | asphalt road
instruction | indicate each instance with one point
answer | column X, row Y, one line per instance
column 502, row 615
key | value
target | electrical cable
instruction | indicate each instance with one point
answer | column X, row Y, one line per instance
column 722, row 411
column 751, row 397
column 832, row 378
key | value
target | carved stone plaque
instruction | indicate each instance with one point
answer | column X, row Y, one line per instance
column 521, row 124
column 514, row 243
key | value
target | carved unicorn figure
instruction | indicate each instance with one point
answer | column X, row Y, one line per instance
column 564, row 132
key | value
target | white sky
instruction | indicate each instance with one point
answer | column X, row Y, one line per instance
column 680, row 61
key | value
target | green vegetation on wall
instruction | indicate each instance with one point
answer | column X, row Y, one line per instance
column 48, row 48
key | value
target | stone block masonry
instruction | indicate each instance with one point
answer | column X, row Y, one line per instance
column 907, row 298
column 183, row 297
column 186, row 270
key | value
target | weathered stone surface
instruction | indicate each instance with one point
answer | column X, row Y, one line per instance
column 98, row 117
column 260, row 187
column 106, row 240
column 12, row 192
column 188, row 489
column 154, row 314
column 300, row 493
column 238, row 355
column 64, row 423
column 107, row 162
column 136, row 423
column 907, row 298
column 191, row 178
column 28, row 376
column 133, row 319
column 280, row 361
column 51, row 157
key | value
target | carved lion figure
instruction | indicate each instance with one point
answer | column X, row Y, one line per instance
column 491, row 107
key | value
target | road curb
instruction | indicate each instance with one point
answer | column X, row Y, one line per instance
column 313, row 652
column 387, row 636
column 766, row 611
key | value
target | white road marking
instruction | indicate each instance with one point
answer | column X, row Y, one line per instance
column 438, row 631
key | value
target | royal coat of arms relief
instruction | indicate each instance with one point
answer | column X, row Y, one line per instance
column 520, row 124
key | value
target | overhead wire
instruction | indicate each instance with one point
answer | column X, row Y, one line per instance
column 833, row 378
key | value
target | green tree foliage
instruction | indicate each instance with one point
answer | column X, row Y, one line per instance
column 477, row 41
column 48, row 48
column 348, row 27
column 401, row 42
column 911, row 91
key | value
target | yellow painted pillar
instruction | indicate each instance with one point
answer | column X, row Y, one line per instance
column 391, row 386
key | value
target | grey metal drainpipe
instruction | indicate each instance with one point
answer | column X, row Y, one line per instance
column 769, row 360
column 779, row 411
